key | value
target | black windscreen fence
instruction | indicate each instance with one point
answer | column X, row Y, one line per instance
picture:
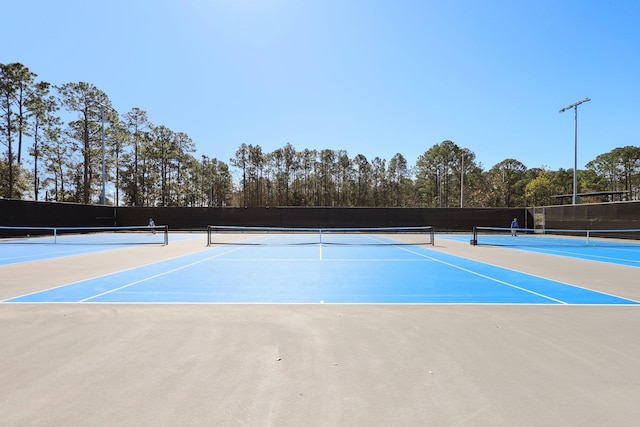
column 444, row 219
column 592, row 216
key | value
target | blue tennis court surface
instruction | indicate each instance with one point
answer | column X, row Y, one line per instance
column 602, row 250
column 39, row 248
column 322, row 274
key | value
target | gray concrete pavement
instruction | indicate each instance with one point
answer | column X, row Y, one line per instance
column 318, row 365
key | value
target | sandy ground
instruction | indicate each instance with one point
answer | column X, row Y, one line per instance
column 318, row 365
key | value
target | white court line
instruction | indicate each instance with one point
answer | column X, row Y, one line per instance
column 190, row 265
column 325, row 260
column 557, row 281
column 85, row 280
column 107, row 274
column 45, row 256
column 582, row 255
column 489, row 277
column 159, row 275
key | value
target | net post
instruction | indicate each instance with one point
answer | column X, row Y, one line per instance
column 474, row 240
column 432, row 233
column 208, row 235
column 166, row 235
column 55, row 235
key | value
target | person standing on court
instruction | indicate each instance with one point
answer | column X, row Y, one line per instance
column 152, row 224
column 514, row 227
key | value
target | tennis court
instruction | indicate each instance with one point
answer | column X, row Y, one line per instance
column 25, row 244
column 602, row 246
column 300, row 333
column 278, row 267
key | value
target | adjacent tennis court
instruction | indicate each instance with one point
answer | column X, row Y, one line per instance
column 25, row 244
column 608, row 246
column 313, row 267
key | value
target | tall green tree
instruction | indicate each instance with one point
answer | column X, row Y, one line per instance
column 281, row 167
column 308, row 164
column 364, row 180
column 44, row 125
column 540, row 190
column 380, row 190
column 137, row 123
column 436, row 174
column 241, row 161
column 57, row 158
column 344, row 179
column 509, row 181
column 220, row 184
column 93, row 109
column 162, row 154
column 471, row 181
column 325, row 194
column 621, row 169
column 16, row 83
column 118, row 141
column 257, row 162
column 399, row 179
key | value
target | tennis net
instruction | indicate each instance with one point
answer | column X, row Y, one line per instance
column 131, row 235
column 502, row 236
column 245, row 235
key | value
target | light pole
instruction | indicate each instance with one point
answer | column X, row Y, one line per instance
column 103, row 200
column 575, row 146
column 462, row 182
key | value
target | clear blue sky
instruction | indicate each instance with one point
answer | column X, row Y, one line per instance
column 369, row 76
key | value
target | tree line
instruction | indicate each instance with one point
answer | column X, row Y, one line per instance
column 65, row 143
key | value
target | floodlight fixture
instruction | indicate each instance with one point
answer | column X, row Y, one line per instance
column 575, row 105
